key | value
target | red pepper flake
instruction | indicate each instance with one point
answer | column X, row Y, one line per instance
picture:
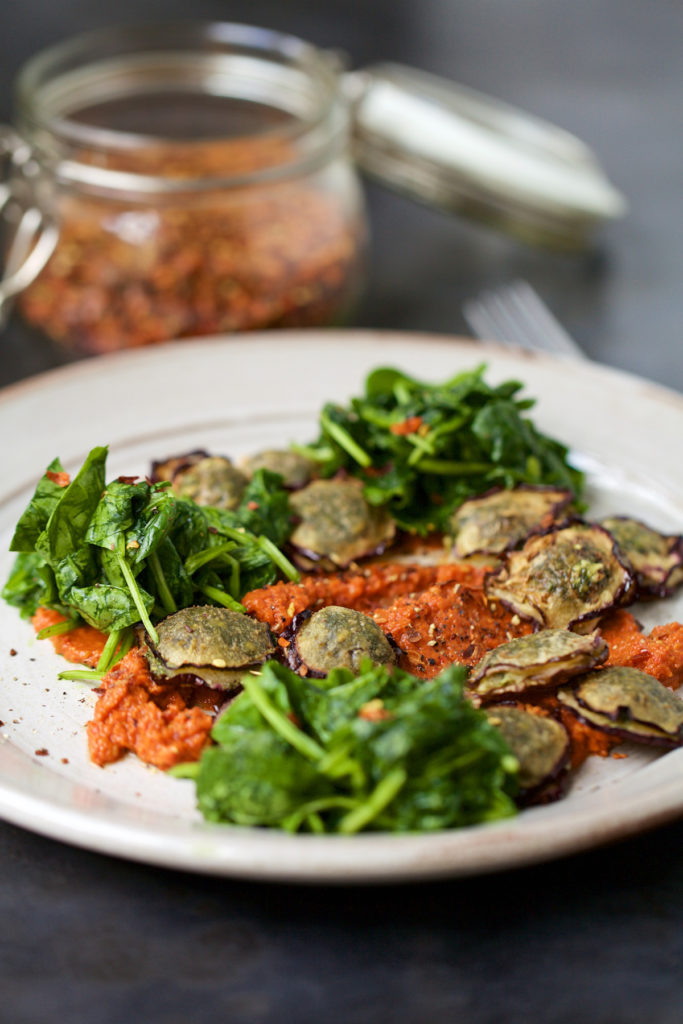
column 61, row 479
column 374, row 711
column 42, row 752
column 64, row 760
column 294, row 719
column 411, row 425
column 283, row 642
column 618, row 756
column 12, row 652
column 253, row 505
column 127, row 479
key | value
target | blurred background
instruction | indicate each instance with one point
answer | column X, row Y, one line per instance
column 608, row 71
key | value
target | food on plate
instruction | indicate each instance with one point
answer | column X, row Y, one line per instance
column 565, row 578
column 295, row 469
column 335, row 637
column 421, row 449
column 379, row 749
column 502, row 518
column 629, row 703
column 447, row 573
column 214, row 645
column 536, row 662
column 657, row 558
column 336, row 526
column 541, row 746
column 211, row 481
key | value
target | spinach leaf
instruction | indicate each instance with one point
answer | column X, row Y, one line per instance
column 38, row 511
column 116, row 512
column 422, row 449
column 384, row 750
column 68, row 524
column 30, row 584
column 107, row 608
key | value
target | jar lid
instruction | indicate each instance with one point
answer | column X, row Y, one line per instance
column 462, row 151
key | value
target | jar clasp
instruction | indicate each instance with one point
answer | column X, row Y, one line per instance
column 30, row 231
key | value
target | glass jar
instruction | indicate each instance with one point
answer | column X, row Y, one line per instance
column 196, row 179
column 200, row 181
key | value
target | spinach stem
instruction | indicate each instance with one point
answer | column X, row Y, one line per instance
column 162, row 585
column 85, row 675
column 137, row 598
column 282, row 725
column 345, row 441
column 449, row 467
column 196, row 561
column 56, row 629
column 279, row 559
column 383, row 793
column 108, row 651
column 221, row 597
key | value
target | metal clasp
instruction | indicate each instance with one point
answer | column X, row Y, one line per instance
column 31, row 231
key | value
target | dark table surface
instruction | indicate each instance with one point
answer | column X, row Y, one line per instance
column 596, row 937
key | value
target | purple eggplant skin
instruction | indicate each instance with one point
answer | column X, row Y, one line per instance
column 657, row 558
column 534, row 739
column 540, row 661
column 628, row 703
column 344, row 636
column 500, row 519
column 165, row 469
column 540, row 581
column 335, row 526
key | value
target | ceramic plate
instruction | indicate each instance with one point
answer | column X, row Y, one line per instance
column 235, row 395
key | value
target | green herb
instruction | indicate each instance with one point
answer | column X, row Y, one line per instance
column 422, row 449
column 131, row 551
column 317, row 755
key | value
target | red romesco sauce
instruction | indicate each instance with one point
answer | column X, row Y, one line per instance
column 156, row 721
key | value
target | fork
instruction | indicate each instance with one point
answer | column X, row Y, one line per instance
column 516, row 315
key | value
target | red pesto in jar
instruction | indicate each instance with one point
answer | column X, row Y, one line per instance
column 126, row 274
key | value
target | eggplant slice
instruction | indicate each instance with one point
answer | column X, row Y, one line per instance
column 336, row 637
column 211, row 481
column 657, row 558
column 336, row 525
column 214, row 645
column 542, row 747
column 502, row 518
column 536, row 662
column 296, row 470
column 565, row 578
column 628, row 703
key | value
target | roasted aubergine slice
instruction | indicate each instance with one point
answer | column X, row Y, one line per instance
column 566, row 578
column 536, row 662
column 502, row 518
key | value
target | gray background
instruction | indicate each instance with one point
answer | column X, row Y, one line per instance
column 596, row 937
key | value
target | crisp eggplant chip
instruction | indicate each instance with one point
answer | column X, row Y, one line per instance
column 628, row 703
column 211, row 481
column 657, row 558
column 336, row 525
column 536, row 662
column 501, row 519
column 216, row 645
column 336, row 637
column 564, row 579
column 166, row 469
column 295, row 469
column 542, row 747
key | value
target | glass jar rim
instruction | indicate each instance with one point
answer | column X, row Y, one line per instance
column 202, row 54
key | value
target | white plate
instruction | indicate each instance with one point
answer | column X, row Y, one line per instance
column 235, row 395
